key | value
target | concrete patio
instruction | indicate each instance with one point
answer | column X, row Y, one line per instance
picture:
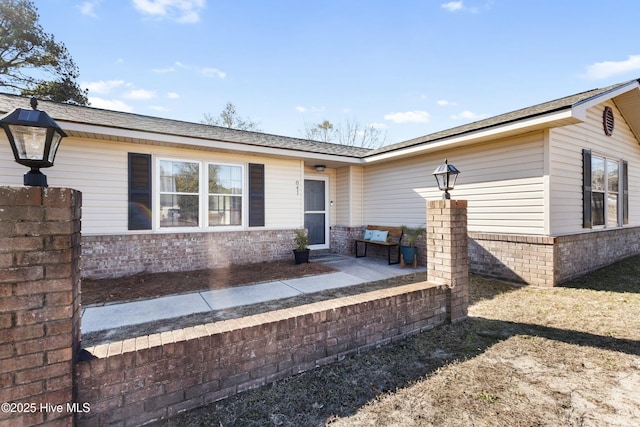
column 351, row 271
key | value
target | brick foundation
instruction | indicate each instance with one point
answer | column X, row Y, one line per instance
column 549, row 261
column 124, row 255
column 515, row 258
column 131, row 382
column 39, row 304
column 578, row 254
column 342, row 242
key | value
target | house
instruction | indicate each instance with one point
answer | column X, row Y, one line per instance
column 553, row 190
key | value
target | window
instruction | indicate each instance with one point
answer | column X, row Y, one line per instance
column 225, row 195
column 208, row 195
column 179, row 193
column 603, row 202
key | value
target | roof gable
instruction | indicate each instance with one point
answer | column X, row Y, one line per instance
column 574, row 105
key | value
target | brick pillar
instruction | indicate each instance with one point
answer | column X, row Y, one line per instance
column 448, row 253
column 39, row 304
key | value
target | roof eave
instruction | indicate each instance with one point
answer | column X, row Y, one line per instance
column 579, row 109
column 170, row 140
column 557, row 118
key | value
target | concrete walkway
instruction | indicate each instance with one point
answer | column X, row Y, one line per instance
column 351, row 271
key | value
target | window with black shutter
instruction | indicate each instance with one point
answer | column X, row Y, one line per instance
column 256, row 195
column 605, row 191
column 586, row 189
column 139, row 191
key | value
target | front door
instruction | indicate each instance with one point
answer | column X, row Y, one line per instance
column 316, row 212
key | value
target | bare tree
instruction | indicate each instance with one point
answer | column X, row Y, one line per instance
column 350, row 132
column 229, row 118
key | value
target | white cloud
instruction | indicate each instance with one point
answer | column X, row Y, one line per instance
column 445, row 103
column 184, row 11
column 452, row 6
column 214, row 72
column 173, row 95
column 416, row 116
column 468, row 115
column 456, row 6
column 159, row 108
column 107, row 104
column 88, row 8
column 140, row 94
column 312, row 109
column 602, row 70
column 103, row 87
column 163, row 70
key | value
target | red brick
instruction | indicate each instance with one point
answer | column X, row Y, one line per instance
column 43, row 373
column 47, row 314
column 43, row 344
column 21, row 274
column 19, row 244
column 20, row 333
column 20, row 196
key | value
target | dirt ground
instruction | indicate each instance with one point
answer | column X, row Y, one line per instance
column 565, row 356
column 153, row 285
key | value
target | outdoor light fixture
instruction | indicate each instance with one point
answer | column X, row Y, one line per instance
column 446, row 175
column 320, row 168
column 34, row 139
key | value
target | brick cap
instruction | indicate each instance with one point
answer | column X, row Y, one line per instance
column 447, row 204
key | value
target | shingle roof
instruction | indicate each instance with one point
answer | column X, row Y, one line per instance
column 502, row 119
column 137, row 122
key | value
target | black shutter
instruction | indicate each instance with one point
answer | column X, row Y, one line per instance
column 256, row 195
column 139, row 191
column 625, row 192
column 586, row 189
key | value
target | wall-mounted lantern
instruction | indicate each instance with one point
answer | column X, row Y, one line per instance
column 446, row 175
column 34, row 139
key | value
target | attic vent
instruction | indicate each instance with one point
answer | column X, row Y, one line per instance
column 608, row 121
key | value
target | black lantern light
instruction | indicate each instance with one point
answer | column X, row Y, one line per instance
column 34, row 139
column 446, row 175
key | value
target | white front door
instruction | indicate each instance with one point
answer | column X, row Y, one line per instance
column 316, row 211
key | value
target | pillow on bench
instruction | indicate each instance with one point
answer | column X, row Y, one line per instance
column 379, row 236
column 367, row 234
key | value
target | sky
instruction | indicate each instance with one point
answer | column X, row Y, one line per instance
column 406, row 67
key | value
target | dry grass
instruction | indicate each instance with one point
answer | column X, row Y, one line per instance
column 525, row 357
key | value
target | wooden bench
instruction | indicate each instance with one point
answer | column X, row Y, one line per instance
column 394, row 237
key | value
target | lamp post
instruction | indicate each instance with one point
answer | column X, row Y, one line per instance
column 34, row 139
column 446, row 176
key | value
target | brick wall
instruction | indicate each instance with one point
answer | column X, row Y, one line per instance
column 342, row 238
column 39, row 303
column 134, row 381
column 549, row 261
column 123, row 255
column 578, row 254
column 448, row 254
column 515, row 258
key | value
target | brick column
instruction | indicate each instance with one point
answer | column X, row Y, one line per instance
column 39, row 304
column 448, row 253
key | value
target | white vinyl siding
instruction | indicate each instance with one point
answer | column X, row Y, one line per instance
column 99, row 170
column 349, row 196
column 566, row 144
column 502, row 181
